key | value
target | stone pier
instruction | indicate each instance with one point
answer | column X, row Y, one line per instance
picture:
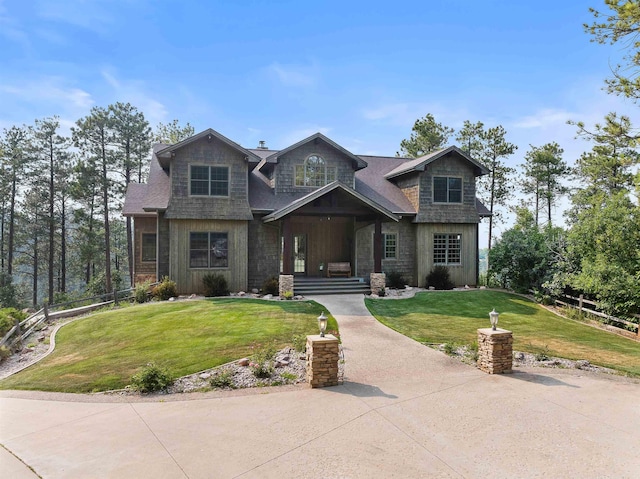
column 495, row 351
column 322, row 361
column 285, row 284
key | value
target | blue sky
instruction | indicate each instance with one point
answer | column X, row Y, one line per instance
column 359, row 72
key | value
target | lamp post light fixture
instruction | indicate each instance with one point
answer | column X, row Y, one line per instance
column 493, row 316
column 322, row 324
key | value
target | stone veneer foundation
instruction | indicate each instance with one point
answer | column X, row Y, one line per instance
column 378, row 282
column 285, row 283
column 322, row 361
column 495, row 351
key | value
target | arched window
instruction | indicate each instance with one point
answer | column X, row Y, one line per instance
column 314, row 172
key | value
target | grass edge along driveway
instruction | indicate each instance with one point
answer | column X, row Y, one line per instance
column 454, row 317
column 102, row 352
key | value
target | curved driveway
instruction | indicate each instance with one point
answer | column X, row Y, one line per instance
column 403, row 411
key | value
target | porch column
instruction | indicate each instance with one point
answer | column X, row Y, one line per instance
column 377, row 247
column 286, row 250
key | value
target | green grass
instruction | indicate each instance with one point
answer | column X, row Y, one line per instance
column 454, row 317
column 103, row 351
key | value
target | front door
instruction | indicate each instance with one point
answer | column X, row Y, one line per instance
column 300, row 254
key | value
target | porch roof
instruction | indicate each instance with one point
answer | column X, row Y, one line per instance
column 336, row 185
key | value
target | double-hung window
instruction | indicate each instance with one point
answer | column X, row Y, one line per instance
column 446, row 248
column 390, row 246
column 447, row 189
column 209, row 180
column 208, row 250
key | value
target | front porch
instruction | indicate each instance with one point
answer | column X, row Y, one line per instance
column 318, row 286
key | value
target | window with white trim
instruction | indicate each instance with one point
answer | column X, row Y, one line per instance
column 208, row 250
column 314, row 172
column 209, row 180
column 390, row 246
column 447, row 248
column 447, row 189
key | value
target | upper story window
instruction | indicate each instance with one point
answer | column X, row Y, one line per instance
column 314, row 172
column 209, row 180
column 447, row 189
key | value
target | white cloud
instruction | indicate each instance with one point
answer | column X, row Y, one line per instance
column 297, row 76
column 404, row 114
column 53, row 90
column 136, row 93
column 92, row 15
column 11, row 29
column 544, row 118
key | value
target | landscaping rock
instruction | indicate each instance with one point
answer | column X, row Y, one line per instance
column 243, row 362
column 205, row 376
column 241, row 293
column 267, row 296
column 255, row 290
column 582, row 363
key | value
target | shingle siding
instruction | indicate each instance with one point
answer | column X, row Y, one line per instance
column 264, row 252
column 285, row 170
column 215, row 153
column 448, row 213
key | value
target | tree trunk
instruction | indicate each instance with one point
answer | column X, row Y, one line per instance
column 34, row 297
column 52, row 228
column 12, row 220
column 63, row 247
column 107, row 232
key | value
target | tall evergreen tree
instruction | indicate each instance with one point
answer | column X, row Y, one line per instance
column 173, row 132
column 132, row 137
column 427, row 135
column 94, row 136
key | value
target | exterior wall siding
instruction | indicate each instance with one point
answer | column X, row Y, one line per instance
column 285, row 170
column 405, row 261
column 164, row 244
column 264, row 252
column 463, row 274
column 215, row 153
column 143, row 271
column 410, row 186
column 189, row 280
column 448, row 213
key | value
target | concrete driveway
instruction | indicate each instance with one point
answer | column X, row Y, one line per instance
column 404, row 411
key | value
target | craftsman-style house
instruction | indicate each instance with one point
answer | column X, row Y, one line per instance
column 211, row 205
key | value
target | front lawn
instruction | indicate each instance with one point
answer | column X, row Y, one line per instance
column 454, row 316
column 103, row 351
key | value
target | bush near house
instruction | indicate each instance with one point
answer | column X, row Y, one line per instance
column 395, row 280
column 271, row 286
column 215, row 285
column 165, row 290
column 439, row 278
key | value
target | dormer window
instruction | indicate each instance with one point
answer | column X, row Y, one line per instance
column 447, row 189
column 314, row 172
column 209, row 180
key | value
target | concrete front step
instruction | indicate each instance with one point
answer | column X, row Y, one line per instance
column 309, row 286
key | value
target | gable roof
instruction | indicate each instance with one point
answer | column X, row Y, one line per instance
column 359, row 162
column 419, row 164
column 143, row 199
column 165, row 155
column 370, row 181
column 314, row 195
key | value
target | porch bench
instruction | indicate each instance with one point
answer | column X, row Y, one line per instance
column 339, row 269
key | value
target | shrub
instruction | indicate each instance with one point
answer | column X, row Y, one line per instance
column 395, row 280
column 140, row 292
column 151, row 378
column 222, row 380
column 287, row 295
column 439, row 278
column 9, row 294
column 262, row 362
column 215, row 285
column 165, row 290
column 5, row 352
column 8, row 317
column 299, row 342
column 450, row 349
column 542, row 355
column 271, row 286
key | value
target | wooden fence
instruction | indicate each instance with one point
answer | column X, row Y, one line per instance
column 24, row 328
column 623, row 328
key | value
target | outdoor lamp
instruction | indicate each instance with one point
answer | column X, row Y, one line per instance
column 493, row 316
column 322, row 324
